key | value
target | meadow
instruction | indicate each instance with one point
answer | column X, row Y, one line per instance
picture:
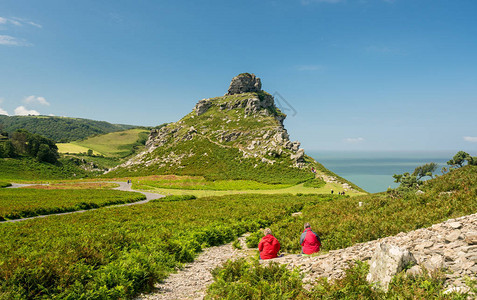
column 201, row 187
column 29, row 202
column 114, row 144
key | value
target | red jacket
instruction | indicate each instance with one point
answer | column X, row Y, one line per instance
column 268, row 247
column 310, row 241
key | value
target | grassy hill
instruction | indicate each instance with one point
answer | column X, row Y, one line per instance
column 234, row 137
column 115, row 144
column 62, row 129
column 29, row 169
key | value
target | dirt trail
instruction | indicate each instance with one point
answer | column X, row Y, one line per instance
column 191, row 282
column 123, row 186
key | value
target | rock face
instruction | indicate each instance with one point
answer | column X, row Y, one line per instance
column 387, row 261
column 245, row 83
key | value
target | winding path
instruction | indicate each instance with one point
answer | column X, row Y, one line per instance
column 123, row 186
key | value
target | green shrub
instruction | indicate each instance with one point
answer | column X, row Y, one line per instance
column 24, row 202
column 240, row 279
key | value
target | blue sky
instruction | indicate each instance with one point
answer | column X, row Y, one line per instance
column 360, row 75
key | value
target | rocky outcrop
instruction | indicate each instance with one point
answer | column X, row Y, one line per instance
column 245, row 83
column 448, row 245
column 202, row 106
column 387, row 261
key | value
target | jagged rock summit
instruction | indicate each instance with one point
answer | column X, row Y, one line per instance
column 236, row 136
column 245, row 83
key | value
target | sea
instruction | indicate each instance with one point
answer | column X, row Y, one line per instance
column 373, row 170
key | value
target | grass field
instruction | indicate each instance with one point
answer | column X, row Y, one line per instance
column 73, row 148
column 115, row 144
column 200, row 183
column 26, row 202
column 233, row 187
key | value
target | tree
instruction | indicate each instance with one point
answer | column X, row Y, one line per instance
column 407, row 180
column 46, row 154
column 9, row 149
column 90, row 152
column 459, row 159
column 425, row 170
column 34, row 145
column 472, row 160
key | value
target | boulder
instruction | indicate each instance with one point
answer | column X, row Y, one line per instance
column 245, row 83
column 299, row 156
column 202, row 106
column 387, row 261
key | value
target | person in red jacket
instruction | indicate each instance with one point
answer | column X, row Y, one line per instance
column 310, row 241
column 269, row 245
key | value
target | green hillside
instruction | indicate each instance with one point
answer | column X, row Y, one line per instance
column 29, row 169
column 239, row 136
column 114, row 144
column 59, row 129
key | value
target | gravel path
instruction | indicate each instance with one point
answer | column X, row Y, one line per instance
column 123, row 186
column 192, row 280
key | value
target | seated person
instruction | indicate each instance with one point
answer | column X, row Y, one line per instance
column 310, row 241
column 269, row 245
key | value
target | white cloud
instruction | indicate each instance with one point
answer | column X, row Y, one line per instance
column 18, row 22
column 472, row 139
column 12, row 41
column 36, row 99
column 22, row 111
column 3, row 112
column 354, row 140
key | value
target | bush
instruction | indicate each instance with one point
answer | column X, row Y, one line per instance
column 240, row 279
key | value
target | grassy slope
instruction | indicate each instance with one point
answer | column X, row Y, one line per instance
column 59, row 128
column 342, row 223
column 73, row 148
column 200, row 157
column 115, row 144
column 28, row 169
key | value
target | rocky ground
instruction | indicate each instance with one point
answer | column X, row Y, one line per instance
column 451, row 245
column 192, row 281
